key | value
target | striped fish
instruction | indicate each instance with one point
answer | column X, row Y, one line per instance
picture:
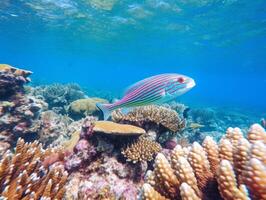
column 153, row 90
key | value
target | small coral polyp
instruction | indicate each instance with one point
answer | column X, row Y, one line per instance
column 233, row 169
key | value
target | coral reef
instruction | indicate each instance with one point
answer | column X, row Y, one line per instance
column 23, row 174
column 12, row 80
column 84, row 107
column 106, row 178
column 53, row 126
column 19, row 114
column 234, row 169
column 97, row 164
column 59, row 96
column 156, row 115
column 178, row 107
column 141, row 150
column 217, row 119
column 84, row 153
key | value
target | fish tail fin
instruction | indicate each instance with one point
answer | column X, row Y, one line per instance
column 105, row 108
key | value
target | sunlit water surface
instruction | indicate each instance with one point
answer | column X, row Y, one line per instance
column 110, row 44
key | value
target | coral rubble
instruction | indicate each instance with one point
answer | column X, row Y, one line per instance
column 157, row 115
column 23, row 174
column 233, row 169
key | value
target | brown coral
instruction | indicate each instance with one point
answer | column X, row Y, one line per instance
column 84, row 107
column 12, row 80
column 160, row 115
column 234, row 169
column 19, row 114
column 112, row 128
column 141, row 150
column 23, row 176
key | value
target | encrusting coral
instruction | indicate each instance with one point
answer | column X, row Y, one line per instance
column 19, row 114
column 12, row 80
column 30, row 173
column 158, row 115
column 234, row 169
column 141, row 150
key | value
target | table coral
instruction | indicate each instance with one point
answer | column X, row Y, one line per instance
column 117, row 129
column 157, row 115
column 23, row 175
column 141, row 150
column 233, row 169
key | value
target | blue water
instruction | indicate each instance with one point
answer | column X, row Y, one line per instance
column 108, row 45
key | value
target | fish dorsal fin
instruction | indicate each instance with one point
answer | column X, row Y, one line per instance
column 136, row 85
column 139, row 84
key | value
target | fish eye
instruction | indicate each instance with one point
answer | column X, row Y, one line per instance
column 181, row 80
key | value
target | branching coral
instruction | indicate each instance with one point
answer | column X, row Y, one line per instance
column 236, row 168
column 141, row 150
column 159, row 115
column 23, row 174
column 59, row 96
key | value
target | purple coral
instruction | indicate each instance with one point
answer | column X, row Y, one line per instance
column 87, row 128
column 84, row 153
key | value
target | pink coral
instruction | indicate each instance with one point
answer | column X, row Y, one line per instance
column 111, row 179
column 84, row 153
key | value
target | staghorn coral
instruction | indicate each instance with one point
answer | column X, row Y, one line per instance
column 23, row 174
column 234, row 169
column 141, row 150
column 157, row 115
column 84, row 107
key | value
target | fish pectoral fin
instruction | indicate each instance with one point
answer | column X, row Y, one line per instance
column 163, row 93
